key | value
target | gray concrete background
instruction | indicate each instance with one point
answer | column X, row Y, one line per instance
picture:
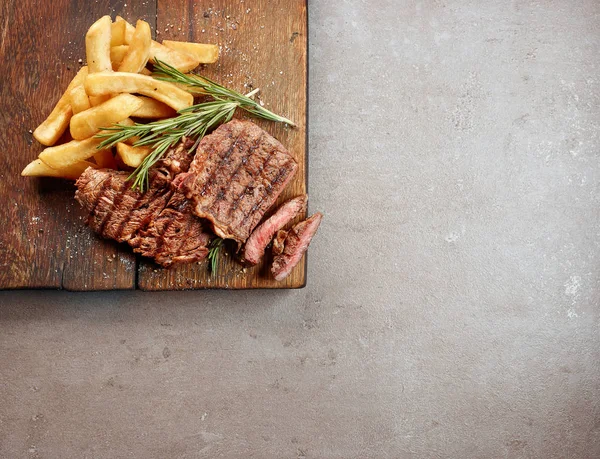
column 452, row 303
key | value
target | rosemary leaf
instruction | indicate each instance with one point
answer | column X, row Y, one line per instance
column 213, row 251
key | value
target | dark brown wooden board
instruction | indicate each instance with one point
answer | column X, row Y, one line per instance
column 45, row 243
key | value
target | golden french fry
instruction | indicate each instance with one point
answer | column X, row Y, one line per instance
column 53, row 127
column 152, row 108
column 203, row 53
column 89, row 122
column 38, row 168
column 182, row 62
column 97, row 100
column 67, row 154
column 117, row 53
column 105, row 159
column 97, row 45
column 117, row 33
column 129, row 29
column 98, row 84
column 145, row 71
column 139, row 49
column 132, row 156
column 78, row 99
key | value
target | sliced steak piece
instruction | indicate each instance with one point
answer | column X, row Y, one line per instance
column 237, row 174
column 262, row 235
column 157, row 223
column 294, row 246
column 278, row 242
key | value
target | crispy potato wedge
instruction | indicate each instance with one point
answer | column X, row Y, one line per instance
column 78, row 99
column 181, row 61
column 97, row 45
column 53, row 127
column 98, row 84
column 89, row 122
column 117, row 53
column 117, row 33
column 152, row 109
column 203, row 53
column 132, row 156
column 38, row 168
column 67, row 154
column 105, row 159
column 138, row 52
column 97, row 100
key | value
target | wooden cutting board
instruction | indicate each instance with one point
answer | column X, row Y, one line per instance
column 44, row 243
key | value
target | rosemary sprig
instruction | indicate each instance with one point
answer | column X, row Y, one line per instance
column 213, row 251
column 204, row 85
column 194, row 121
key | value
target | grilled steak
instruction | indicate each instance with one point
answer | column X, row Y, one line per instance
column 157, row 223
column 262, row 235
column 294, row 246
column 237, row 174
column 175, row 235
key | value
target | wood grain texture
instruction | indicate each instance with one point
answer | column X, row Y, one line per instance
column 44, row 243
column 263, row 44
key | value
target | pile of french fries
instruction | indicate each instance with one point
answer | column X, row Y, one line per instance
column 114, row 87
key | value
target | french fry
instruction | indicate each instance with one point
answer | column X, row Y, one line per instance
column 105, row 159
column 89, row 122
column 132, row 156
column 38, row 168
column 117, row 33
column 53, row 127
column 182, row 62
column 138, row 52
column 67, row 154
column 145, row 71
column 97, row 100
column 117, row 53
column 203, row 53
column 152, row 109
column 78, row 99
column 97, row 45
column 98, row 84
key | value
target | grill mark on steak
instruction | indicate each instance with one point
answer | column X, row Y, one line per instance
column 243, row 162
column 238, row 172
column 103, row 188
column 250, row 186
column 212, row 176
column 262, row 204
column 116, row 202
column 121, row 228
column 240, row 217
column 231, row 166
column 253, row 179
column 157, row 223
